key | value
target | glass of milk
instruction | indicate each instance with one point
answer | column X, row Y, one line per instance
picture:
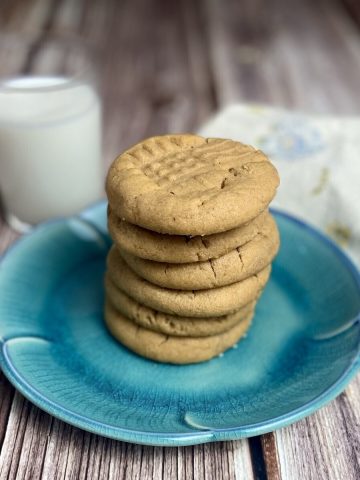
column 50, row 129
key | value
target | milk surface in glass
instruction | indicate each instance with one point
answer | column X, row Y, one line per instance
column 50, row 147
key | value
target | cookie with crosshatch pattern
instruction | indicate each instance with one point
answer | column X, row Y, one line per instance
column 190, row 185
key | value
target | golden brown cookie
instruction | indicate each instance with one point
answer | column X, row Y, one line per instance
column 171, row 324
column 179, row 248
column 169, row 349
column 213, row 302
column 232, row 267
column 190, row 185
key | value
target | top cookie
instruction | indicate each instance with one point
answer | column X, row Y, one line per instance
column 190, row 185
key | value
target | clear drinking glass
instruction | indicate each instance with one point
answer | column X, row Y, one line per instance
column 50, row 128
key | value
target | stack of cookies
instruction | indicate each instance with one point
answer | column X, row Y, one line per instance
column 193, row 244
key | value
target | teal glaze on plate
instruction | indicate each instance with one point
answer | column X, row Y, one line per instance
column 301, row 351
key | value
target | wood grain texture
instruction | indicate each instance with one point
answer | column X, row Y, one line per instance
column 325, row 445
column 271, row 456
column 6, row 398
column 153, row 85
column 298, row 54
column 38, row 446
column 165, row 66
column 353, row 7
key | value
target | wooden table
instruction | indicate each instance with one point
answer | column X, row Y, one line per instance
column 166, row 66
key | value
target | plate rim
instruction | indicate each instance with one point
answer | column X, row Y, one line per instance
column 198, row 436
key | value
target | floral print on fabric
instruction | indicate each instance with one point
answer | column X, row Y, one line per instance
column 291, row 139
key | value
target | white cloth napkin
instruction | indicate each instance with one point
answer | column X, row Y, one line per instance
column 318, row 159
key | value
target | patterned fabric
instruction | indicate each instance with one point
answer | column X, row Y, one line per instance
column 318, row 158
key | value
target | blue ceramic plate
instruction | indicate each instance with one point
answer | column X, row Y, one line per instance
column 301, row 351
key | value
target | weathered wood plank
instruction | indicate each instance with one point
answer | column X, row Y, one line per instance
column 353, row 7
column 325, row 445
column 39, row 446
column 25, row 15
column 243, row 467
column 153, row 85
column 302, row 55
column 6, row 398
column 14, row 437
column 271, row 458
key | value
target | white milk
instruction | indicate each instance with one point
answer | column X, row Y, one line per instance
column 50, row 147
